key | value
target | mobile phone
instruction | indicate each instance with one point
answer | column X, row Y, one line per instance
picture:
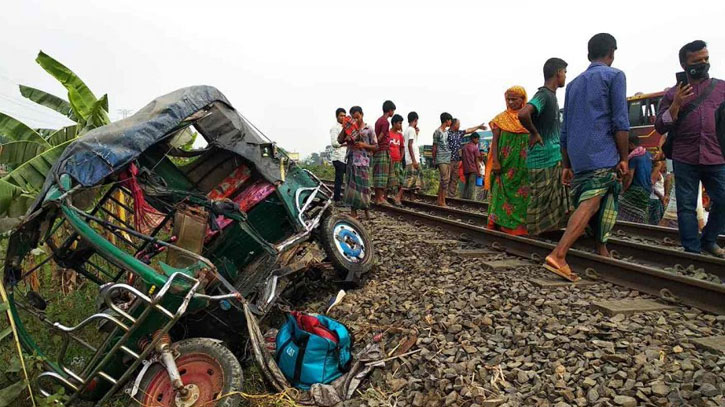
column 681, row 78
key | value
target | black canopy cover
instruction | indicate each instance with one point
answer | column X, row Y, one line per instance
column 104, row 150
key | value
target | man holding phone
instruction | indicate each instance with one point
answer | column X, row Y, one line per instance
column 687, row 114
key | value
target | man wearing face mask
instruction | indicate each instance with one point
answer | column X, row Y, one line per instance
column 687, row 114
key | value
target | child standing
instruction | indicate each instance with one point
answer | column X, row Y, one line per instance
column 396, row 179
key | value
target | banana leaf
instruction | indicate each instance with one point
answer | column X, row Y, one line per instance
column 80, row 96
column 30, row 176
column 98, row 116
column 50, row 101
column 10, row 394
column 15, row 130
column 44, row 133
column 12, row 200
column 18, row 152
column 62, row 135
column 184, row 139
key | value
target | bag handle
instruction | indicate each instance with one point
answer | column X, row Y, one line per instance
column 300, row 358
column 347, row 366
column 278, row 352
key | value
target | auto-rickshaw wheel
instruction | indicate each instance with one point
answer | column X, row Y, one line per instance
column 207, row 368
column 348, row 246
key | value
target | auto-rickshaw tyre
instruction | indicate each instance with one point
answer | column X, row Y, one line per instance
column 351, row 272
column 201, row 360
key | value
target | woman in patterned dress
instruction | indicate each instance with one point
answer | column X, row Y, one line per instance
column 508, row 176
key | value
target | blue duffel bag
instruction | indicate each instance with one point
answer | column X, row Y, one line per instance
column 313, row 349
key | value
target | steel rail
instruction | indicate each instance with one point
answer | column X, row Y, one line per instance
column 665, row 235
column 649, row 254
column 697, row 293
column 670, row 236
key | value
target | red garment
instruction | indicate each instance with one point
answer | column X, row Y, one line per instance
column 396, row 143
column 469, row 156
column 519, row 231
column 309, row 323
column 146, row 217
column 382, row 132
column 230, row 184
column 247, row 199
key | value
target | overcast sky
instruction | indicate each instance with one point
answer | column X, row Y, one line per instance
column 286, row 65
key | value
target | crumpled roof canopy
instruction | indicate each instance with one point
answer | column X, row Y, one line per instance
column 104, row 150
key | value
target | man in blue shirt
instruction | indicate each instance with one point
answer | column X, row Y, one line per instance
column 594, row 149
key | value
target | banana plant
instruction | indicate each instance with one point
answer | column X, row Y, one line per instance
column 30, row 153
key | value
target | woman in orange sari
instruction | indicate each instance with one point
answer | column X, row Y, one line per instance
column 507, row 163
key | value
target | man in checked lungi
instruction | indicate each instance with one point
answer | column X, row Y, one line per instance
column 594, row 149
column 548, row 197
column 382, row 163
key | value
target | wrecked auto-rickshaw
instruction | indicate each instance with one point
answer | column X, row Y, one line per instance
column 170, row 244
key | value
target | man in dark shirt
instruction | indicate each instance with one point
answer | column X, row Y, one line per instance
column 471, row 158
column 455, row 140
column 381, row 159
column 696, row 152
column 548, row 197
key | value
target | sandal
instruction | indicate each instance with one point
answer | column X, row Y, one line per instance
column 562, row 271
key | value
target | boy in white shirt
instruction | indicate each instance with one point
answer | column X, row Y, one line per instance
column 413, row 181
column 338, row 156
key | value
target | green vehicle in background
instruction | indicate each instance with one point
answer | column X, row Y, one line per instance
column 178, row 247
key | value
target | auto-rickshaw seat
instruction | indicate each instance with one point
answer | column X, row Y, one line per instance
column 208, row 171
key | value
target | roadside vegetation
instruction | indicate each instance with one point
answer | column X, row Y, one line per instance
column 26, row 156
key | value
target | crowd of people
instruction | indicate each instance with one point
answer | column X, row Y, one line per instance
column 582, row 171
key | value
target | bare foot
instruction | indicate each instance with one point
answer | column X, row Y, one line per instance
column 602, row 250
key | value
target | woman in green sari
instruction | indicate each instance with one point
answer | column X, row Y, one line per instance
column 507, row 159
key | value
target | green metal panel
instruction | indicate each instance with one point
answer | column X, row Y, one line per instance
column 231, row 250
column 296, row 178
column 235, row 248
column 271, row 219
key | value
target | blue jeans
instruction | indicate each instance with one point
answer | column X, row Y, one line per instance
column 687, row 181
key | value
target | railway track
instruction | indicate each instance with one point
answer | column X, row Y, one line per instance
column 648, row 254
column 642, row 277
column 659, row 234
column 645, row 267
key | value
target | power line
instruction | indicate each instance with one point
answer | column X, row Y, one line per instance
column 41, row 123
column 27, row 104
column 35, row 119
